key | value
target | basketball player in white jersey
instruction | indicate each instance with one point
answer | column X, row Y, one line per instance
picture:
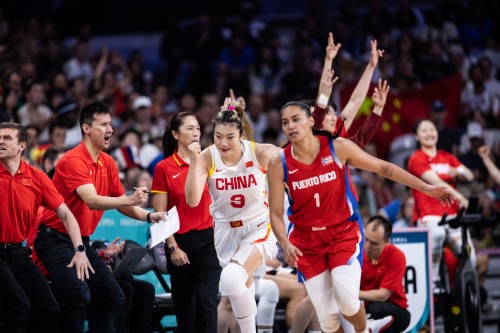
column 235, row 170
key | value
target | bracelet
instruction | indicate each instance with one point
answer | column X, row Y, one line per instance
column 148, row 217
column 323, row 100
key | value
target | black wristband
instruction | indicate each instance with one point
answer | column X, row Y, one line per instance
column 148, row 217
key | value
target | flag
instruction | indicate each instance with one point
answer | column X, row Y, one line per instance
column 327, row 160
column 402, row 111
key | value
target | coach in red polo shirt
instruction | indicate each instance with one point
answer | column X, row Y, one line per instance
column 24, row 189
column 191, row 257
column 88, row 180
column 384, row 266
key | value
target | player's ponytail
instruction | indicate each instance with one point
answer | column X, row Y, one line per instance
column 235, row 114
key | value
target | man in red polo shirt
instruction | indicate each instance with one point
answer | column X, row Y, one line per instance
column 24, row 189
column 384, row 266
column 88, row 179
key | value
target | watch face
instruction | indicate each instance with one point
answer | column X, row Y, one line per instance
column 80, row 248
column 171, row 249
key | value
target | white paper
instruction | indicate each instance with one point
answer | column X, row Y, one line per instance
column 165, row 228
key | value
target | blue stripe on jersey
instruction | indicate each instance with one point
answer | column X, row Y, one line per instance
column 355, row 218
column 285, row 179
column 289, row 211
column 332, row 151
column 351, row 198
column 285, row 167
column 301, row 278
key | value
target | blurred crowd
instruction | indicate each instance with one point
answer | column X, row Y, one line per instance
column 267, row 62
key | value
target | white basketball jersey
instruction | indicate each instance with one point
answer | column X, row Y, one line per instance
column 238, row 192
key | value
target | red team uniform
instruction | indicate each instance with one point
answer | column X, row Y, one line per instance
column 322, row 210
column 420, row 162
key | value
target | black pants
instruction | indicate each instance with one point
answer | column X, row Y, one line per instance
column 100, row 294
column 139, row 301
column 382, row 309
column 195, row 286
column 28, row 303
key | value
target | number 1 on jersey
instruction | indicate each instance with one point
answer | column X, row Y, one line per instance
column 316, row 197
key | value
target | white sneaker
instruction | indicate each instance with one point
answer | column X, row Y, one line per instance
column 379, row 325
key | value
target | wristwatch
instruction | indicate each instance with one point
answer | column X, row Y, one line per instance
column 172, row 248
column 80, row 248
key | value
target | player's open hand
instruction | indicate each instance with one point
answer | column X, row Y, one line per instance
column 379, row 96
column 442, row 193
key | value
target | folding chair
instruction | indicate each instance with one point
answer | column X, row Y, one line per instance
column 156, row 262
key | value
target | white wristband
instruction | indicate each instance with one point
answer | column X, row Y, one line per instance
column 323, row 100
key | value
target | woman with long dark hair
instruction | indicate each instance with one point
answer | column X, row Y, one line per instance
column 191, row 258
column 326, row 241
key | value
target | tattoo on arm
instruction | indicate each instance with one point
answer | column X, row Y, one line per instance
column 387, row 170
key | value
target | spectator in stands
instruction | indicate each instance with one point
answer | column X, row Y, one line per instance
column 256, row 112
column 28, row 301
column 78, row 91
column 478, row 103
column 110, row 80
column 234, row 65
column 88, row 178
column 67, row 116
column 405, row 219
column 472, row 140
column 140, row 79
column 34, row 111
column 8, row 106
column 484, row 153
column 78, row 65
column 191, row 257
column 384, row 267
column 51, row 156
column 449, row 138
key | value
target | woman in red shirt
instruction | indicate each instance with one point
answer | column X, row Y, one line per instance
column 191, row 257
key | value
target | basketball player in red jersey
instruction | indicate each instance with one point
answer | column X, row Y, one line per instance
column 312, row 169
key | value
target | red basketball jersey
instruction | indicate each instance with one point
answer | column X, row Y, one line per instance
column 419, row 163
column 319, row 194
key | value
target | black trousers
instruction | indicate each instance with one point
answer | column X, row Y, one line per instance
column 98, row 299
column 139, row 301
column 28, row 303
column 382, row 309
column 195, row 286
